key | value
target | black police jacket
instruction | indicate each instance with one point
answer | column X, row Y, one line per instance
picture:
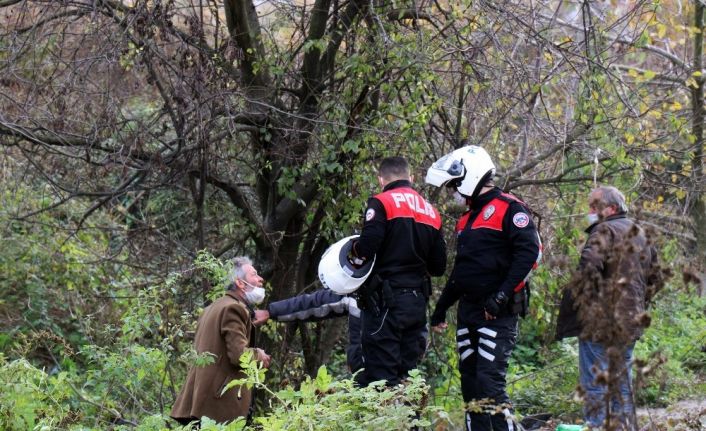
column 403, row 231
column 496, row 250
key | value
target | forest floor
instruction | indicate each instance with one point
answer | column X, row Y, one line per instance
column 687, row 415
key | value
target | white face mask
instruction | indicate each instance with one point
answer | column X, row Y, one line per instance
column 592, row 218
column 459, row 198
column 254, row 296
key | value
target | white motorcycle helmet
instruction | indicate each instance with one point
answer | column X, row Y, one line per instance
column 337, row 273
column 466, row 169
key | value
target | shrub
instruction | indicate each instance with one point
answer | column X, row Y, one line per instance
column 31, row 399
column 672, row 350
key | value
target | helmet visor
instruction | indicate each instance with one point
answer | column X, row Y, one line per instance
column 447, row 171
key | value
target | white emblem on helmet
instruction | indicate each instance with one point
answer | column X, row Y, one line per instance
column 489, row 211
column 520, row 220
column 369, row 214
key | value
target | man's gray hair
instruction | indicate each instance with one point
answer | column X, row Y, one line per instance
column 612, row 196
column 238, row 270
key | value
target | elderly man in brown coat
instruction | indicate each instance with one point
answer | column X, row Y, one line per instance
column 605, row 307
column 224, row 331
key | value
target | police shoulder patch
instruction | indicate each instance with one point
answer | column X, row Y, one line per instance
column 489, row 211
column 369, row 214
column 520, row 220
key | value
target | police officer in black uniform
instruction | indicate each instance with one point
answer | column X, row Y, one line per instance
column 402, row 231
column 497, row 248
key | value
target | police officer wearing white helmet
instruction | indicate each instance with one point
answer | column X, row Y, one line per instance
column 497, row 248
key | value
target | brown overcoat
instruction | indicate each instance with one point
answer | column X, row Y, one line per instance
column 618, row 253
column 224, row 330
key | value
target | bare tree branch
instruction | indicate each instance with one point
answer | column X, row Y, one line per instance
column 5, row 3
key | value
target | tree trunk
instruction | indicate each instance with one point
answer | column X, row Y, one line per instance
column 697, row 203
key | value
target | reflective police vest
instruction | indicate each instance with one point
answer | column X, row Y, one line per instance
column 491, row 216
column 484, row 252
column 407, row 203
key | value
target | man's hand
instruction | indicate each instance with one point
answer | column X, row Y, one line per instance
column 261, row 316
column 355, row 261
column 262, row 357
column 441, row 327
column 494, row 304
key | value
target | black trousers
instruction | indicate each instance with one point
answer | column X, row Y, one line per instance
column 392, row 340
column 484, row 348
column 354, row 350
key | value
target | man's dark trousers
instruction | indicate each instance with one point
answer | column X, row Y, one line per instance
column 391, row 337
column 484, row 348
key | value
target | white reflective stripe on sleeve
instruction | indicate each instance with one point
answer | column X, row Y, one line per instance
column 510, row 422
column 488, row 332
column 486, row 355
column 352, row 306
column 488, row 343
column 464, row 343
column 338, row 307
column 462, row 331
column 466, row 354
column 323, row 310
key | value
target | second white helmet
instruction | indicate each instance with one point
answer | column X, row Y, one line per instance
column 337, row 273
column 466, row 169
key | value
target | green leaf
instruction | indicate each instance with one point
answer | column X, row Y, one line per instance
column 323, row 379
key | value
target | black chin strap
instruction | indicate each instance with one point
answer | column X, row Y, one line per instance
column 481, row 184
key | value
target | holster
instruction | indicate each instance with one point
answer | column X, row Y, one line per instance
column 369, row 297
column 388, row 299
column 426, row 288
column 519, row 304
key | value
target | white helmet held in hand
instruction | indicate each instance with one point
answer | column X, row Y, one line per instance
column 466, row 169
column 337, row 273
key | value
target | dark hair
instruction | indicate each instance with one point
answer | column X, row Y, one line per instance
column 393, row 167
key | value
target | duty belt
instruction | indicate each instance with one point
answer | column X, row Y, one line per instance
column 407, row 289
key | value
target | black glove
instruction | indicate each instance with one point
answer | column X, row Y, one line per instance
column 495, row 303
